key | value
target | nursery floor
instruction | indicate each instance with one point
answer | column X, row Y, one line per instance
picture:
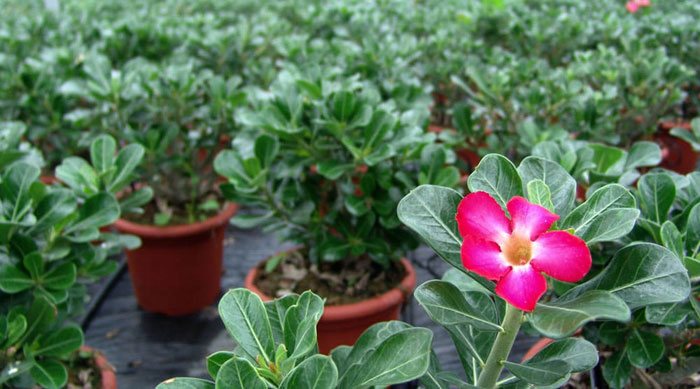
column 146, row 348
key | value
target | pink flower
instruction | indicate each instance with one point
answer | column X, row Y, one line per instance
column 515, row 252
column 634, row 5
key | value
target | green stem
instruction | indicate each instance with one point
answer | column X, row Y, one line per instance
column 501, row 348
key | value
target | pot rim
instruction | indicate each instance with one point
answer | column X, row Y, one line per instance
column 180, row 230
column 669, row 124
column 108, row 376
column 368, row 307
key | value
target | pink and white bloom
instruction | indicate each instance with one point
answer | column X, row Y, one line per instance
column 634, row 5
column 515, row 252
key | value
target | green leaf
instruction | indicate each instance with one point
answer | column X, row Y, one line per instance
column 559, row 319
column 643, row 154
column 185, row 383
column 617, row 370
column 316, row 372
column 78, row 175
column 128, row 160
column 34, row 264
column 672, row 239
column 671, row 314
column 135, row 200
column 41, row 316
column 49, row 373
column 580, row 354
column 644, row 349
column 538, row 193
column 447, row 305
column 430, row 212
column 57, row 205
column 692, row 232
column 98, row 211
column 239, row 373
column 657, row 192
column 539, row 373
column 14, row 280
column 332, row 170
column 216, row 360
column 266, row 149
column 61, row 277
column 246, row 320
column 16, row 182
column 608, row 214
column 102, row 152
column 390, row 363
column 300, row 324
column 641, row 274
column 60, row 343
column 561, row 184
column 497, row 176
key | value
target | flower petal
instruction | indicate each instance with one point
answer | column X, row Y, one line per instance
column 632, row 6
column 484, row 258
column 480, row 217
column 522, row 287
column 561, row 255
column 528, row 218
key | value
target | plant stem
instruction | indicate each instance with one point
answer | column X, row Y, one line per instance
column 501, row 348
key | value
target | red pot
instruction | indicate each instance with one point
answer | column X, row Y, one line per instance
column 177, row 269
column 108, row 377
column 469, row 156
column 343, row 324
column 676, row 154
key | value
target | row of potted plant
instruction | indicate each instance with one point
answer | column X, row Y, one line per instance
column 620, row 300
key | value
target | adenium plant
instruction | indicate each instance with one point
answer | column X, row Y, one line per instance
column 545, row 232
column 51, row 247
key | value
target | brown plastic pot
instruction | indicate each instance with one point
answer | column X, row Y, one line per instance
column 108, row 377
column 343, row 324
column 177, row 269
column 676, row 154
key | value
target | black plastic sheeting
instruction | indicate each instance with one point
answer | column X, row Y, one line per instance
column 147, row 348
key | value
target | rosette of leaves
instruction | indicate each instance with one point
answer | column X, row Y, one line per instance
column 657, row 348
column 51, row 247
column 594, row 165
column 276, row 348
column 622, row 286
column 328, row 168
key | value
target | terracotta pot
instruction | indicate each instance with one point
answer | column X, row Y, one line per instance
column 676, row 154
column 537, row 347
column 108, row 377
column 343, row 324
column 177, row 269
column 581, row 192
column 48, row 180
column 469, row 156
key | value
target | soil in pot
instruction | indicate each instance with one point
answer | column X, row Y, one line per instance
column 359, row 293
column 89, row 369
column 177, row 270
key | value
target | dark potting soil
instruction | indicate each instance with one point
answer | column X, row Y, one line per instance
column 83, row 372
column 342, row 282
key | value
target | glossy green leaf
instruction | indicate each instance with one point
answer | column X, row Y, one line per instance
column 14, row 280
column 559, row 319
column 641, row 274
column 558, row 180
column 266, row 149
column 245, row 318
column 61, row 277
column 692, row 232
column 60, row 343
column 538, row 193
column 102, row 153
column 185, row 383
column 316, row 372
column 53, row 208
column 239, row 373
column 127, row 161
column 609, row 214
column 657, row 192
column 644, row 349
column 539, row 373
column 389, row 363
column 671, row 314
column 671, row 238
column 49, row 373
column 446, row 304
column 430, row 212
column 617, row 370
column 578, row 353
column 99, row 210
column 497, row 176
column 216, row 360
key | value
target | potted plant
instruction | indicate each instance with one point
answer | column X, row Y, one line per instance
column 181, row 117
column 327, row 172
column 483, row 317
column 52, row 248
